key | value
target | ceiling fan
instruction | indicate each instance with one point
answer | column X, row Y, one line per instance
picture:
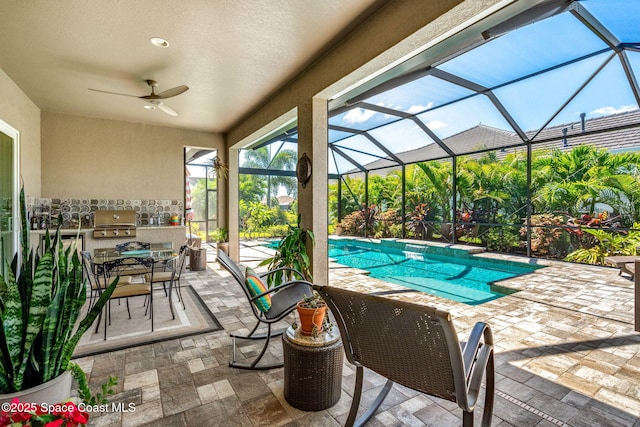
column 155, row 99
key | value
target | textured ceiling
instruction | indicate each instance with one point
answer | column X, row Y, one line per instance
column 231, row 53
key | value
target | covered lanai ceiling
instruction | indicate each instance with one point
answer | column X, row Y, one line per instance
column 565, row 71
column 231, row 54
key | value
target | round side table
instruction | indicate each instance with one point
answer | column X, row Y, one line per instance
column 312, row 369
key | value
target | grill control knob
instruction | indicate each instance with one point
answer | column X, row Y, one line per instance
column 127, row 231
column 116, row 232
column 103, row 232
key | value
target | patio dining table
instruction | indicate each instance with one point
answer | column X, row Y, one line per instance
column 161, row 257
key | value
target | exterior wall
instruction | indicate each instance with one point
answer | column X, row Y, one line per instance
column 17, row 110
column 89, row 158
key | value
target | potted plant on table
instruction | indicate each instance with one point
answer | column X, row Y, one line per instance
column 312, row 312
column 41, row 297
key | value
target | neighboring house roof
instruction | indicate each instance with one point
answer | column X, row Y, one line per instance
column 285, row 200
column 482, row 137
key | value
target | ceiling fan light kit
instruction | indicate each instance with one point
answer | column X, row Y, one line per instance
column 154, row 98
column 159, row 42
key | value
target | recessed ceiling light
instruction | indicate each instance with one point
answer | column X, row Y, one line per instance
column 150, row 107
column 159, row 41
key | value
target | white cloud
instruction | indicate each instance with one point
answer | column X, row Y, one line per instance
column 358, row 115
column 606, row 111
column 419, row 108
column 436, row 124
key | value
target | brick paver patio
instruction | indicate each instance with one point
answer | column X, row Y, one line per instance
column 566, row 354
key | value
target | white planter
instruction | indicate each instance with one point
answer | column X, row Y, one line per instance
column 55, row 391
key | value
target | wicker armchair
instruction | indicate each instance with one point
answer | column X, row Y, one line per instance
column 415, row 346
column 284, row 298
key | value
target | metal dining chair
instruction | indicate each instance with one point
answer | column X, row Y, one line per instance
column 96, row 281
column 110, row 270
column 172, row 275
column 132, row 246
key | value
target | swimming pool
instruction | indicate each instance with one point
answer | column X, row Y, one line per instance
column 445, row 272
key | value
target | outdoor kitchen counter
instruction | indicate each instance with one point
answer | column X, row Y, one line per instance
column 176, row 234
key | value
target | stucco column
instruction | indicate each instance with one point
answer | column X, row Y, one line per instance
column 233, row 205
column 312, row 200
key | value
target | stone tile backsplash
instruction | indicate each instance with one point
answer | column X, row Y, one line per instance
column 45, row 212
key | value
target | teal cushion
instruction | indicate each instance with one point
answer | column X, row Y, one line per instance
column 255, row 286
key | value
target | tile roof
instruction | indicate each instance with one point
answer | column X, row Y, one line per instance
column 600, row 132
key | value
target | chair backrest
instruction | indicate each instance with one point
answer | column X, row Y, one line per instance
column 410, row 344
column 238, row 274
column 182, row 256
column 111, row 269
column 89, row 269
column 231, row 267
column 130, row 246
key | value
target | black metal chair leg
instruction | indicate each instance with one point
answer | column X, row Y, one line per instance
column 98, row 321
column 253, row 336
column 357, row 394
column 254, row 365
column 375, row 405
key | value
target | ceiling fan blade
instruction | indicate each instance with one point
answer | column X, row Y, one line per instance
column 171, row 92
column 113, row 93
column 170, row 111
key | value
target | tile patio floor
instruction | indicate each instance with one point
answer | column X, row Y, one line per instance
column 566, row 355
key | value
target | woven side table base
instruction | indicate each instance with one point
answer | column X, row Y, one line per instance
column 312, row 374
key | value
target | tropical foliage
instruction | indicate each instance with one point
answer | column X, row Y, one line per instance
column 492, row 188
column 607, row 244
column 291, row 253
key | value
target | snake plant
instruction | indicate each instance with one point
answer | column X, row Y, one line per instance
column 41, row 297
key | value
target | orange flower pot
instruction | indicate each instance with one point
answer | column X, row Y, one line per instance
column 310, row 317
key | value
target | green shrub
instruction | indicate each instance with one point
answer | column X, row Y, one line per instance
column 500, row 240
column 395, row 230
column 609, row 244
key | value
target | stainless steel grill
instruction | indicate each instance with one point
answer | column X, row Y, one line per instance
column 112, row 224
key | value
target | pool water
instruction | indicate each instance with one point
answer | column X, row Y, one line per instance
column 445, row 272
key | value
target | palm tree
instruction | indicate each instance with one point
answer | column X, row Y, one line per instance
column 578, row 180
column 439, row 176
column 262, row 158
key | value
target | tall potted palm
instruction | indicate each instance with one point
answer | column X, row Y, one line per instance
column 291, row 253
column 41, row 297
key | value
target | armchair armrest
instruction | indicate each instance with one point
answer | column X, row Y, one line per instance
column 281, row 287
column 281, row 270
column 473, row 348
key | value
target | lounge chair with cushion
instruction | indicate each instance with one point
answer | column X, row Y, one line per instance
column 415, row 346
column 624, row 262
column 269, row 305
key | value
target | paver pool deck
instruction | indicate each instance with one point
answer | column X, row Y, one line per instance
column 566, row 354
